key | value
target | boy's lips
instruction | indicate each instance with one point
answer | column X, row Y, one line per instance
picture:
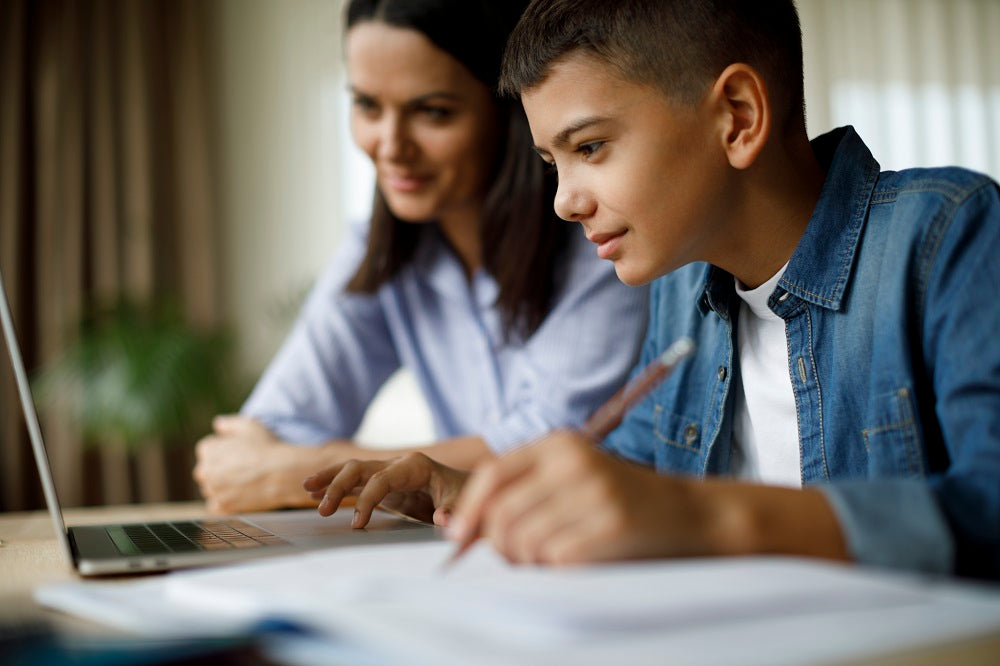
column 607, row 244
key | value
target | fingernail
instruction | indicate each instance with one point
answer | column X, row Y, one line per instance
column 356, row 519
column 324, row 504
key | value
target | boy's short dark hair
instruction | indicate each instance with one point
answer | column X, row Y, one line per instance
column 678, row 46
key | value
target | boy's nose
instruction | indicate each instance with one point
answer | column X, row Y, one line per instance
column 572, row 203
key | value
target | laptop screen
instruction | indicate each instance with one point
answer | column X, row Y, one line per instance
column 31, row 418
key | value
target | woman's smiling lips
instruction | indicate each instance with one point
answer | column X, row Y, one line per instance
column 607, row 244
column 405, row 182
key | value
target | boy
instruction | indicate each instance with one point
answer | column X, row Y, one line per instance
column 847, row 372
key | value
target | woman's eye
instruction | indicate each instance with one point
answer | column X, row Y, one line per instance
column 435, row 112
column 550, row 167
column 366, row 104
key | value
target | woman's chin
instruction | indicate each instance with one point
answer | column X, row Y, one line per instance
column 406, row 211
column 407, row 219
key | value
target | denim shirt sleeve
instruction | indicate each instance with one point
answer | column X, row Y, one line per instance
column 894, row 523
column 330, row 366
column 950, row 520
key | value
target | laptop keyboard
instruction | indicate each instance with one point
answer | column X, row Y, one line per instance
column 189, row 536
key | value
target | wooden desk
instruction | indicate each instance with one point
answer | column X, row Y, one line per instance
column 30, row 556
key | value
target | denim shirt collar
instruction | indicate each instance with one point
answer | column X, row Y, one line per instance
column 820, row 267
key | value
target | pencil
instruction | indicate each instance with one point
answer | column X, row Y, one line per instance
column 609, row 415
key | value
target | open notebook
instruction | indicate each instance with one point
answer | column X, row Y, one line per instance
column 167, row 544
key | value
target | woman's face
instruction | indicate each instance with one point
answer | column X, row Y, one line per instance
column 428, row 125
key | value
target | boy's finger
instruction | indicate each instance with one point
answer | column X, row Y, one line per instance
column 321, row 479
column 442, row 515
column 553, row 516
column 524, row 501
column 392, row 478
column 485, row 483
column 353, row 473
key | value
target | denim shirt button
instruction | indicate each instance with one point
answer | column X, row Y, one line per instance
column 722, row 373
column 690, row 433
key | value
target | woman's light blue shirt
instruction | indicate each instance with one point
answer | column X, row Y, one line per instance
column 446, row 329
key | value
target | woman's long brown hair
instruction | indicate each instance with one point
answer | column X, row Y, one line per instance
column 523, row 241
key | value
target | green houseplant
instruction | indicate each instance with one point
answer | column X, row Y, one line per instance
column 136, row 374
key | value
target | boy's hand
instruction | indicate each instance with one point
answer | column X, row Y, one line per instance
column 414, row 485
column 563, row 501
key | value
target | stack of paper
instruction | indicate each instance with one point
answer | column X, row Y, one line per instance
column 398, row 602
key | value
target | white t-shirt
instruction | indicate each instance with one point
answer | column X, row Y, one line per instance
column 765, row 429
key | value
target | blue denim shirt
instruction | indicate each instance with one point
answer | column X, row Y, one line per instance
column 891, row 304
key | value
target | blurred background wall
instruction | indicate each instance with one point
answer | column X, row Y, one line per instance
column 919, row 79
column 197, row 152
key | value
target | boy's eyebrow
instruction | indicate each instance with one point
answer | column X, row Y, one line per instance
column 561, row 140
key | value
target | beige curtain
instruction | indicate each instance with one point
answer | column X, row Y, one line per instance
column 919, row 79
column 105, row 189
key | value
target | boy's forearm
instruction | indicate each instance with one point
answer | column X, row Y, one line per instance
column 757, row 519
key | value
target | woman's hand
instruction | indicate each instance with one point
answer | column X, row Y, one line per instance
column 413, row 485
column 243, row 467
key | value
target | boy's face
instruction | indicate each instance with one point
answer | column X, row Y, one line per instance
column 646, row 177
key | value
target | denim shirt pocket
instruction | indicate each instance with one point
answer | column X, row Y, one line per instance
column 682, row 436
column 893, row 441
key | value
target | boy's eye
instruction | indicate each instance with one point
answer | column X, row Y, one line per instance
column 550, row 167
column 588, row 149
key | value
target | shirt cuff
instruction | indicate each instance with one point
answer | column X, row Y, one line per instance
column 893, row 523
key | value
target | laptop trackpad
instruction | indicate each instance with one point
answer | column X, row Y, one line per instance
column 306, row 526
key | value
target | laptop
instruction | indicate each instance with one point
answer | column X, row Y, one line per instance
column 95, row 550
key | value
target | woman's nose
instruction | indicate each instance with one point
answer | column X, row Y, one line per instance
column 393, row 142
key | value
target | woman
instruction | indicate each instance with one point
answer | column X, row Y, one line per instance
column 510, row 323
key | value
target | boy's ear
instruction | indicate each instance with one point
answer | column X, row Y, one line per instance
column 743, row 109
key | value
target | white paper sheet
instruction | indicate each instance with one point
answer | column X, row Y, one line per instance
column 396, row 600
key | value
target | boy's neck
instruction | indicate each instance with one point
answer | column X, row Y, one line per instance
column 779, row 194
